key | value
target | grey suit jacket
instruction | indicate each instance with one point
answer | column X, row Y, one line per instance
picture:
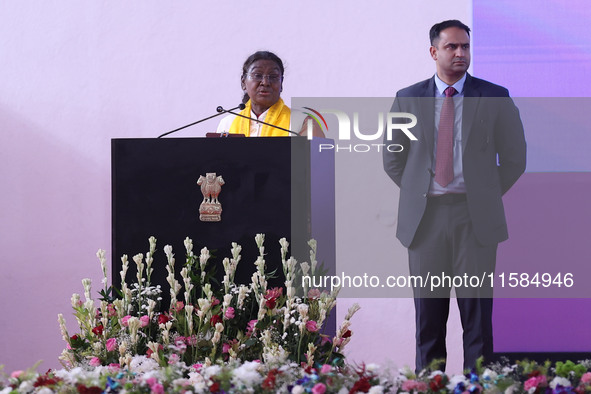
column 494, row 156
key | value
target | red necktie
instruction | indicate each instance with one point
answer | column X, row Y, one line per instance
column 444, row 159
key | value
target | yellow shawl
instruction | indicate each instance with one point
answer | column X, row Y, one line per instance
column 279, row 115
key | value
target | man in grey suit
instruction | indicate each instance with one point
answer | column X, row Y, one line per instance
column 470, row 150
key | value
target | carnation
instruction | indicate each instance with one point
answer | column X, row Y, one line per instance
column 247, row 375
column 564, row 382
column 142, row 364
column 455, row 380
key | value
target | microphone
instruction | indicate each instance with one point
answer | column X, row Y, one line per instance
column 256, row 120
column 220, row 111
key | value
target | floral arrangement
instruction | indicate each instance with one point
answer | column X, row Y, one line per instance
column 145, row 375
column 207, row 324
column 242, row 339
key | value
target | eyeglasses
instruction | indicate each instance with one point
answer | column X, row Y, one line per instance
column 258, row 77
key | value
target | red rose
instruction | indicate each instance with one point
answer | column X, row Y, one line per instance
column 362, row 385
column 82, row 389
column 215, row 319
column 271, row 296
column 269, row 382
column 215, row 387
column 437, row 383
column 533, row 374
column 347, row 334
column 98, row 330
column 163, row 318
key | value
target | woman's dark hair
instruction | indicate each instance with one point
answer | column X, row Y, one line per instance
column 260, row 55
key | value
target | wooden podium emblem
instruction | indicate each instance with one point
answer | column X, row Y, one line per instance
column 210, row 209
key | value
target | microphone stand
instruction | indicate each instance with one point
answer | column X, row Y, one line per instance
column 260, row 121
column 220, row 110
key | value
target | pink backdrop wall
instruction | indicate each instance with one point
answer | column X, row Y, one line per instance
column 76, row 74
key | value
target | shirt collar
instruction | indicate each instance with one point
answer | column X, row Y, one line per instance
column 458, row 86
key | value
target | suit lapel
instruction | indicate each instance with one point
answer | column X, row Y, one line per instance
column 427, row 113
column 471, row 100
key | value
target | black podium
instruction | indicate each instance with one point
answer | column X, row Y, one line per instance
column 279, row 186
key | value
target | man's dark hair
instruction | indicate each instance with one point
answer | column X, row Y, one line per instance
column 439, row 27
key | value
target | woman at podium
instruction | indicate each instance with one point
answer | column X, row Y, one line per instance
column 262, row 83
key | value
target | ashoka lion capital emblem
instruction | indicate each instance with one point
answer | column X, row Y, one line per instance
column 210, row 209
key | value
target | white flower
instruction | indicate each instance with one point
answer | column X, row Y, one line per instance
column 376, row 390
column 564, row 382
column 143, row 364
column 512, row 389
column 138, row 259
column 236, row 249
column 259, row 239
column 188, row 245
column 489, row 375
column 86, row 282
column 454, row 380
column 352, row 310
column 247, row 375
column 152, row 242
column 298, row 390
column 303, row 310
column 26, row 387
column 203, row 257
column 305, row 268
column 212, row 370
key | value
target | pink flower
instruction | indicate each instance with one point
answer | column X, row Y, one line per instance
column 152, row 382
column 173, row 359
column 95, row 362
column 319, row 388
column 179, row 307
column 226, row 347
column 111, row 310
column 114, row 367
column 586, row 378
column 16, row 374
column 191, row 341
column 271, row 296
column 197, row 367
column 124, row 320
column 111, row 344
column 535, row 382
column 313, row 293
column 144, row 321
column 311, row 326
column 413, row 385
column 229, row 313
column 157, row 389
column 250, row 327
column 325, row 368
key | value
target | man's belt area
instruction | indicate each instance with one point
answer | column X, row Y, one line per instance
column 447, row 199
